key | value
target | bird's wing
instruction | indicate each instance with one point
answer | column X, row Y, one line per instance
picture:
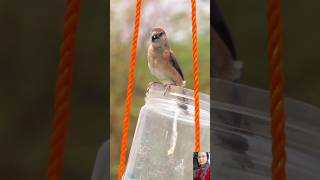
column 174, row 63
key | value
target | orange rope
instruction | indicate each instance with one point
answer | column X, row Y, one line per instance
column 129, row 91
column 275, row 52
column 195, row 75
column 63, row 90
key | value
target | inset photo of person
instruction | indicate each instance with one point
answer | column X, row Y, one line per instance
column 201, row 165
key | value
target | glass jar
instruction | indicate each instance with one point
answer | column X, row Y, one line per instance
column 163, row 142
column 242, row 134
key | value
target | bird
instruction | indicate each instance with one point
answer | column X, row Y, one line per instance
column 162, row 61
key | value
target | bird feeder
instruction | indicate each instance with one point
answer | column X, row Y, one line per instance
column 241, row 134
column 163, row 145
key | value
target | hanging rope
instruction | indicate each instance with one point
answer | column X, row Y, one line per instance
column 63, row 89
column 195, row 75
column 129, row 92
column 275, row 52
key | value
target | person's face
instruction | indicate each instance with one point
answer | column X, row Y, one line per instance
column 202, row 158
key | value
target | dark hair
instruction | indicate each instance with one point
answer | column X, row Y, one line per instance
column 207, row 153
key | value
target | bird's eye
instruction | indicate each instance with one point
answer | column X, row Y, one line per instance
column 154, row 37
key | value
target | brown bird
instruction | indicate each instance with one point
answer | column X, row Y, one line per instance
column 162, row 62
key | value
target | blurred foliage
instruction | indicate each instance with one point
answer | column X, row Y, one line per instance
column 31, row 33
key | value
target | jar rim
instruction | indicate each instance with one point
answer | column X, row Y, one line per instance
column 158, row 89
column 177, row 95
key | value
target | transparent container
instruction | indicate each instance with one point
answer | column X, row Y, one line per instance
column 241, row 135
column 163, row 142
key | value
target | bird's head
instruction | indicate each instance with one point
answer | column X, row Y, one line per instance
column 158, row 37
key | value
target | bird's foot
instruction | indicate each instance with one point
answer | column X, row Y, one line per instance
column 168, row 86
column 149, row 85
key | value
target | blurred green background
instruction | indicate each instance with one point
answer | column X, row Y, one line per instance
column 30, row 34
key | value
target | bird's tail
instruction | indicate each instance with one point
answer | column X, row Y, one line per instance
column 182, row 101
